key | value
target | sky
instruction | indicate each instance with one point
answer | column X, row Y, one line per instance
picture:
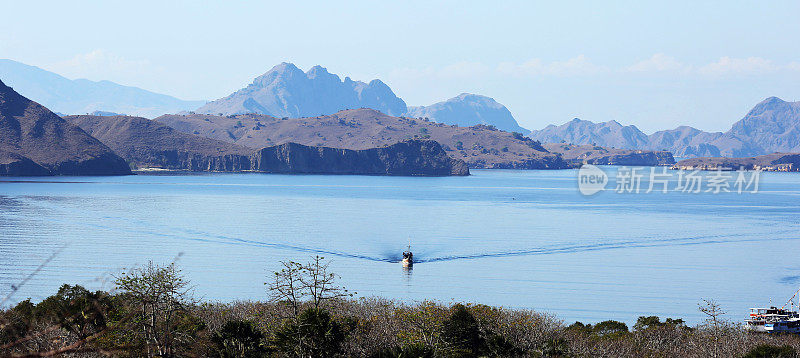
column 656, row 65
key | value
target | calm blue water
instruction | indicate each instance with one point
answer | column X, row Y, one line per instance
column 512, row 238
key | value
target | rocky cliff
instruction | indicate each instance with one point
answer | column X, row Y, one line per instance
column 12, row 164
column 149, row 144
column 413, row 157
column 30, row 133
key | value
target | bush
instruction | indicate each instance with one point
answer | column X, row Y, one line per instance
column 313, row 334
column 407, row 351
column 770, row 351
column 461, row 331
column 239, row 339
column 76, row 310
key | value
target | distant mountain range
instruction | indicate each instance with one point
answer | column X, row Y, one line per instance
column 82, row 96
column 771, row 126
column 284, row 91
column 287, row 91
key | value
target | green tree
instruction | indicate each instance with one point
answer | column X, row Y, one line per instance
column 461, row 331
column 314, row 334
column 646, row 322
column 610, row 327
column 770, row 351
column 76, row 310
column 239, row 339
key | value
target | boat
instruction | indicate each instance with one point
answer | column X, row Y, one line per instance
column 762, row 317
column 408, row 258
column 774, row 319
column 790, row 325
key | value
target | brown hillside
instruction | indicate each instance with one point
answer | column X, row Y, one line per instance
column 29, row 130
column 480, row 146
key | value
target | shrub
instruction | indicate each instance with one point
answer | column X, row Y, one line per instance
column 314, row 334
column 76, row 310
column 770, row 351
column 410, row 351
column 239, row 339
column 461, row 331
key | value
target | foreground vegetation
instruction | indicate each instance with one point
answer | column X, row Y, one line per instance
column 151, row 313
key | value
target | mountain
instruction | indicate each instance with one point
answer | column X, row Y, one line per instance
column 84, row 96
column 468, row 110
column 773, row 125
column 149, row 144
column 607, row 134
column 685, row 142
column 286, row 91
column 480, row 146
column 32, row 134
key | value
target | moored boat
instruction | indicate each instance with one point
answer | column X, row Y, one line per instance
column 760, row 317
column 774, row 319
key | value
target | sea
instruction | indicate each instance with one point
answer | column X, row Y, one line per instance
column 523, row 239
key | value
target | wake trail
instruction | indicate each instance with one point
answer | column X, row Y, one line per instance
column 196, row 235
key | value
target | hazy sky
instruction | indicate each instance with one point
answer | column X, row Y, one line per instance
column 653, row 64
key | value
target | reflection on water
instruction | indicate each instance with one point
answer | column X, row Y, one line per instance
column 512, row 238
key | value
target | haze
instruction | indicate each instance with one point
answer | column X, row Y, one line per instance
column 653, row 65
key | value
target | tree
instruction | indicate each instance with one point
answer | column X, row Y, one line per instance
column 610, row 327
column 461, row 331
column 296, row 282
column 321, row 284
column 240, row 339
column 287, row 286
column 314, row 334
column 162, row 296
column 77, row 310
column 713, row 313
column 644, row 323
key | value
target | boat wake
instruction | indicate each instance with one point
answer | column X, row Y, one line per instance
column 393, row 255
